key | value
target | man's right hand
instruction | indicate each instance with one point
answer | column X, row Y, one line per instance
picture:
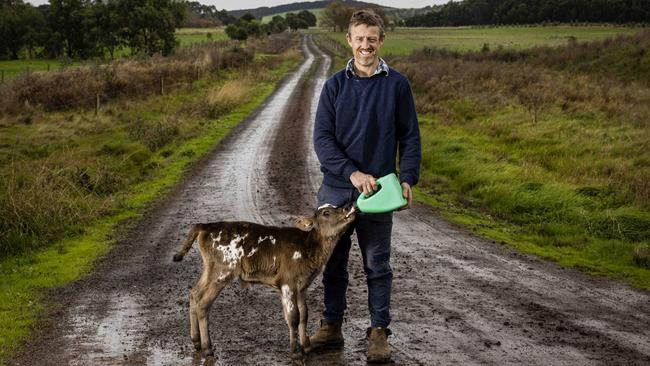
column 364, row 183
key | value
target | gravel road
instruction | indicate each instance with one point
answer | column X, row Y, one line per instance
column 458, row 299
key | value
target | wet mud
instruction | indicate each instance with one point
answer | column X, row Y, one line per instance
column 457, row 299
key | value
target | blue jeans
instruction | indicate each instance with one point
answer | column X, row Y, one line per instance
column 373, row 234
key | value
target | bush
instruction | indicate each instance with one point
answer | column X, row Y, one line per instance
column 133, row 78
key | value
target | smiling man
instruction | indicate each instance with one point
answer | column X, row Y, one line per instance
column 365, row 115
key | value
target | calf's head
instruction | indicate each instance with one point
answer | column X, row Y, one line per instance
column 328, row 221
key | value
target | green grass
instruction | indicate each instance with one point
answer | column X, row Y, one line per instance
column 13, row 68
column 189, row 36
column 24, row 279
column 402, row 41
column 515, row 182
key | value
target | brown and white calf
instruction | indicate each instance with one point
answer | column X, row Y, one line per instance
column 285, row 258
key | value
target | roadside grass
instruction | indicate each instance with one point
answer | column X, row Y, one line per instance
column 402, row 41
column 528, row 185
column 136, row 150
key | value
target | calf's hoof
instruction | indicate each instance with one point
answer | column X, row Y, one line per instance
column 298, row 354
column 207, row 352
column 197, row 345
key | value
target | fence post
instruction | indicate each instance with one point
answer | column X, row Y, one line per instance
column 162, row 85
column 96, row 104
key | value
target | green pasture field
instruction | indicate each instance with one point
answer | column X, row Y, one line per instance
column 509, row 180
column 402, row 41
column 317, row 12
column 188, row 36
column 13, row 68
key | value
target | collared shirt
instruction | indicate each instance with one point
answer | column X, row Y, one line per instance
column 382, row 68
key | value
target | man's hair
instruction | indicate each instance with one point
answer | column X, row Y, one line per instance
column 367, row 17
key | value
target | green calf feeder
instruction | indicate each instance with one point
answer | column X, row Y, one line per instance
column 388, row 198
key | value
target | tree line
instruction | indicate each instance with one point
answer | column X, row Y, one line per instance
column 337, row 14
column 248, row 26
column 483, row 12
column 206, row 16
column 86, row 28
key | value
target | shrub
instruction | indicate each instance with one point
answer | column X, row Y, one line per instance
column 78, row 87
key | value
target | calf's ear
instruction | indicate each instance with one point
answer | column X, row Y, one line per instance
column 305, row 223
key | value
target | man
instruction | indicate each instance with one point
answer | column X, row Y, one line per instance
column 365, row 115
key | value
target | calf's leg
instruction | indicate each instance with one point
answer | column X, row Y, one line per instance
column 302, row 327
column 204, row 298
column 290, row 309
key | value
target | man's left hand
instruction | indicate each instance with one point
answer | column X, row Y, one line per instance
column 408, row 194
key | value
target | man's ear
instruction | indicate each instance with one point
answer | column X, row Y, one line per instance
column 305, row 223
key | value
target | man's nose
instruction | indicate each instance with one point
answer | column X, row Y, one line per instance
column 364, row 43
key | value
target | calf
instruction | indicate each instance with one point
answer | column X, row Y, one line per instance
column 285, row 258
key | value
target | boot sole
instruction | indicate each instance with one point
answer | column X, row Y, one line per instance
column 326, row 346
column 379, row 360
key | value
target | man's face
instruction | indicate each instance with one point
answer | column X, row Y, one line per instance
column 365, row 43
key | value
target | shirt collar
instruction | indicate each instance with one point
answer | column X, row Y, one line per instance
column 382, row 68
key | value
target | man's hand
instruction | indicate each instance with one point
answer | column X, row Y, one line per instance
column 364, row 183
column 408, row 194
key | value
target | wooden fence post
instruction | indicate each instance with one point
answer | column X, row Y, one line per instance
column 96, row 104
column 162, row 85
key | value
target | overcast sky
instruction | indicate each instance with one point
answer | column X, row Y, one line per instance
column 249, row 4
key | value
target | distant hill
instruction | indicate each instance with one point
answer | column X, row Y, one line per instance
column 295, row 7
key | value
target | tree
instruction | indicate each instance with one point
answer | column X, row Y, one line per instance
column 248, row 17
column 308, row 17
column 246, row 26
column 149, row 25
column 337, row 16
column 235, row 31
column 66, row 19
column 21, row 26
column 277, row 24
column 294, row 22
column 103, row 28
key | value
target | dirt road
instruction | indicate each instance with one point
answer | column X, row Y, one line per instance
column 457, row 299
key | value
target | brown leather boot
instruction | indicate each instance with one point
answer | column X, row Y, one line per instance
column 327, row 337
column 378, row 349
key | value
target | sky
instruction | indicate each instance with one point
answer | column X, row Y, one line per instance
column 250, row 4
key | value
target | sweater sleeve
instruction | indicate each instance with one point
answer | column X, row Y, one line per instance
column 408, row 136
column 329, row 152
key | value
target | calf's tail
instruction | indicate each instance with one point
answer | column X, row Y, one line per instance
column 191, row 237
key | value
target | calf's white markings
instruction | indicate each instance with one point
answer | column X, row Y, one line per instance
column 286, row 298
column 232, row 252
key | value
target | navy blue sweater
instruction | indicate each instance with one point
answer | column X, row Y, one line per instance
column 360, row 125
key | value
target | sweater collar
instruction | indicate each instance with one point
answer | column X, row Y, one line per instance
column 382, row 68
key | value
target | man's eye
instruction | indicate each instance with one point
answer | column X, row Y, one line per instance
column 326, row 213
